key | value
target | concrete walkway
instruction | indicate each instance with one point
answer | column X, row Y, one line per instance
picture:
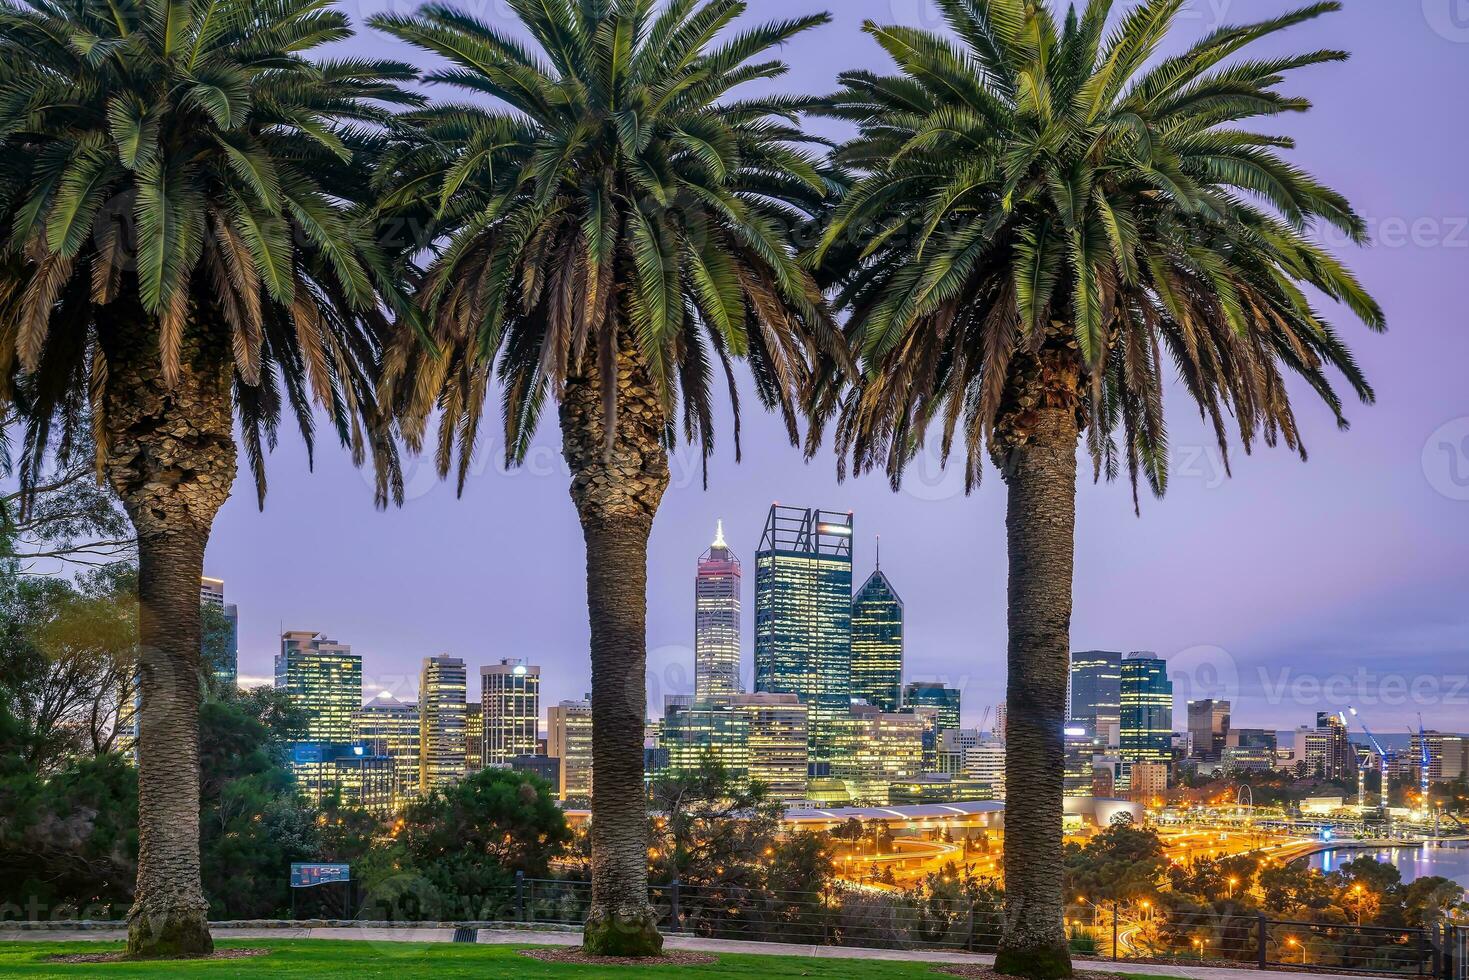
column 570, row 937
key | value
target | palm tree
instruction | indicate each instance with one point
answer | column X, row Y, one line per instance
column 1043, row 212
column 187, row 244
column 616, row 235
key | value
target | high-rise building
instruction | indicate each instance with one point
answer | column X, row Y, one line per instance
column 717, row 622
column 803, row 617
column 474, row 737
column 510, row 692
column 569, row 739
column 1147, row 710
column 1082, row 749
column 1446, row 755
column 876, row 750
column 388, row 727
column 221, row 653
column 1096, row 693
column 443, row 719
column 877, row 642
column 700, row 735
column 323, row 680
column 779, row 743
column 932, row 694
column 1148, row 783
column 1208, row 726
column 348, row 773
column 1249, row 749
column 1325, row 751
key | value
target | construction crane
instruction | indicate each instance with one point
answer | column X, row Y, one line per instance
column 1422, row 762
column 1381, row 754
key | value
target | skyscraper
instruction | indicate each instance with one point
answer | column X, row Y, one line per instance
column 221, row 653
column 932, row 694
column 803, row 616
column 1147, row 710
column 699, row 735
column 474, row 737
column 443, row 719
column 510, row 692
column 877, row 642
column 569, row 739
column 780, row 747
column 388, row 727
column 878, row 749
column 1096, row 693
column 717, row 622
column 1208, row 726
column 322, row 678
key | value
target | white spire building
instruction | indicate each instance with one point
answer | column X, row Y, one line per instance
column 717, row 622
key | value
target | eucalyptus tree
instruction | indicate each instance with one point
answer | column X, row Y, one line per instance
column 1046, row 211
column 187, row 244
column 615, row 231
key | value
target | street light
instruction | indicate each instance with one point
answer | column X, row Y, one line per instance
column 1235, row 881
column 1357, row 890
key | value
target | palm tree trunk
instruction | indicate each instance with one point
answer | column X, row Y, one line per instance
column 617, row 490
column 170, row 456
column 1040, row 474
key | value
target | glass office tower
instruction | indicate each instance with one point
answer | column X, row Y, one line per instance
column 1096, row 693
column 877, row 642
column 803, row 616
column 717, row 622
column 1147, row 710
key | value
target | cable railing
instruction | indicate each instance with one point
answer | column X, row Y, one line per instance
column 847, row 914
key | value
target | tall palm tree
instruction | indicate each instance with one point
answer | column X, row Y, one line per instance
column 1043, row 212
column 186, row 243
column 617, row 232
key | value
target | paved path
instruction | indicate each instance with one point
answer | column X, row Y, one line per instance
column 524, row 937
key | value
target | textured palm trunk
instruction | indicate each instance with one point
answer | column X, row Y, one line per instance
column 617, row 493
column 170, row 456
column 1039, row 433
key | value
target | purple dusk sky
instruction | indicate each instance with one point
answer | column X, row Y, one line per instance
column 1291, row 588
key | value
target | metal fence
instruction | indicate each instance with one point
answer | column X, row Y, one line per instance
column 852, row 915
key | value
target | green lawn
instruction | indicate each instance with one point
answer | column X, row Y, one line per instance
column 327, row 958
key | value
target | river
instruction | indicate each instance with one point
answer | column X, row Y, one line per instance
column 1448, row 860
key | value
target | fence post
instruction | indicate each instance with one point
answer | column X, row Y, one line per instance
column 1261, row 941
column 673, row 926
column 520, row 896
column 969, row 945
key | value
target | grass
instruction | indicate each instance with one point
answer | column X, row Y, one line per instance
column 325, row 959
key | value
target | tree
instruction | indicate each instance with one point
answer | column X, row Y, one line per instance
column 710, row 830
column 614, row 236
column 182, row 192
column 455, row 853
column 1042, row 212
column 68, row 650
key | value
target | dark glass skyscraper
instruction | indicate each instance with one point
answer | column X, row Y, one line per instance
column 717, row 623
column 931, row 694
column 1096, row 693
column 803, row 616
column 877, row 642
column 1147, row 710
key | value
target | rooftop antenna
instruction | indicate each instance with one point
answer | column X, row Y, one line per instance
column 719, row 534
column 879, row 552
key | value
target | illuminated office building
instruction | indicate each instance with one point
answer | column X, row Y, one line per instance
column 322, row 679
column 1082, row 750
column 1147, row 710
column 698, row 735
column 347, row 773
column 877, row 642
column 388, row 727
column 803, row 616
column 877, row 749
column 1096, row 693
column 779, row 746
column 569, row 739
column 443, row 719
column 510, row 692
column 474, row 738
column 931, row 694
column 717, row 622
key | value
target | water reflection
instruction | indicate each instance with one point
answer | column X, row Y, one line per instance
column 1444, row 860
